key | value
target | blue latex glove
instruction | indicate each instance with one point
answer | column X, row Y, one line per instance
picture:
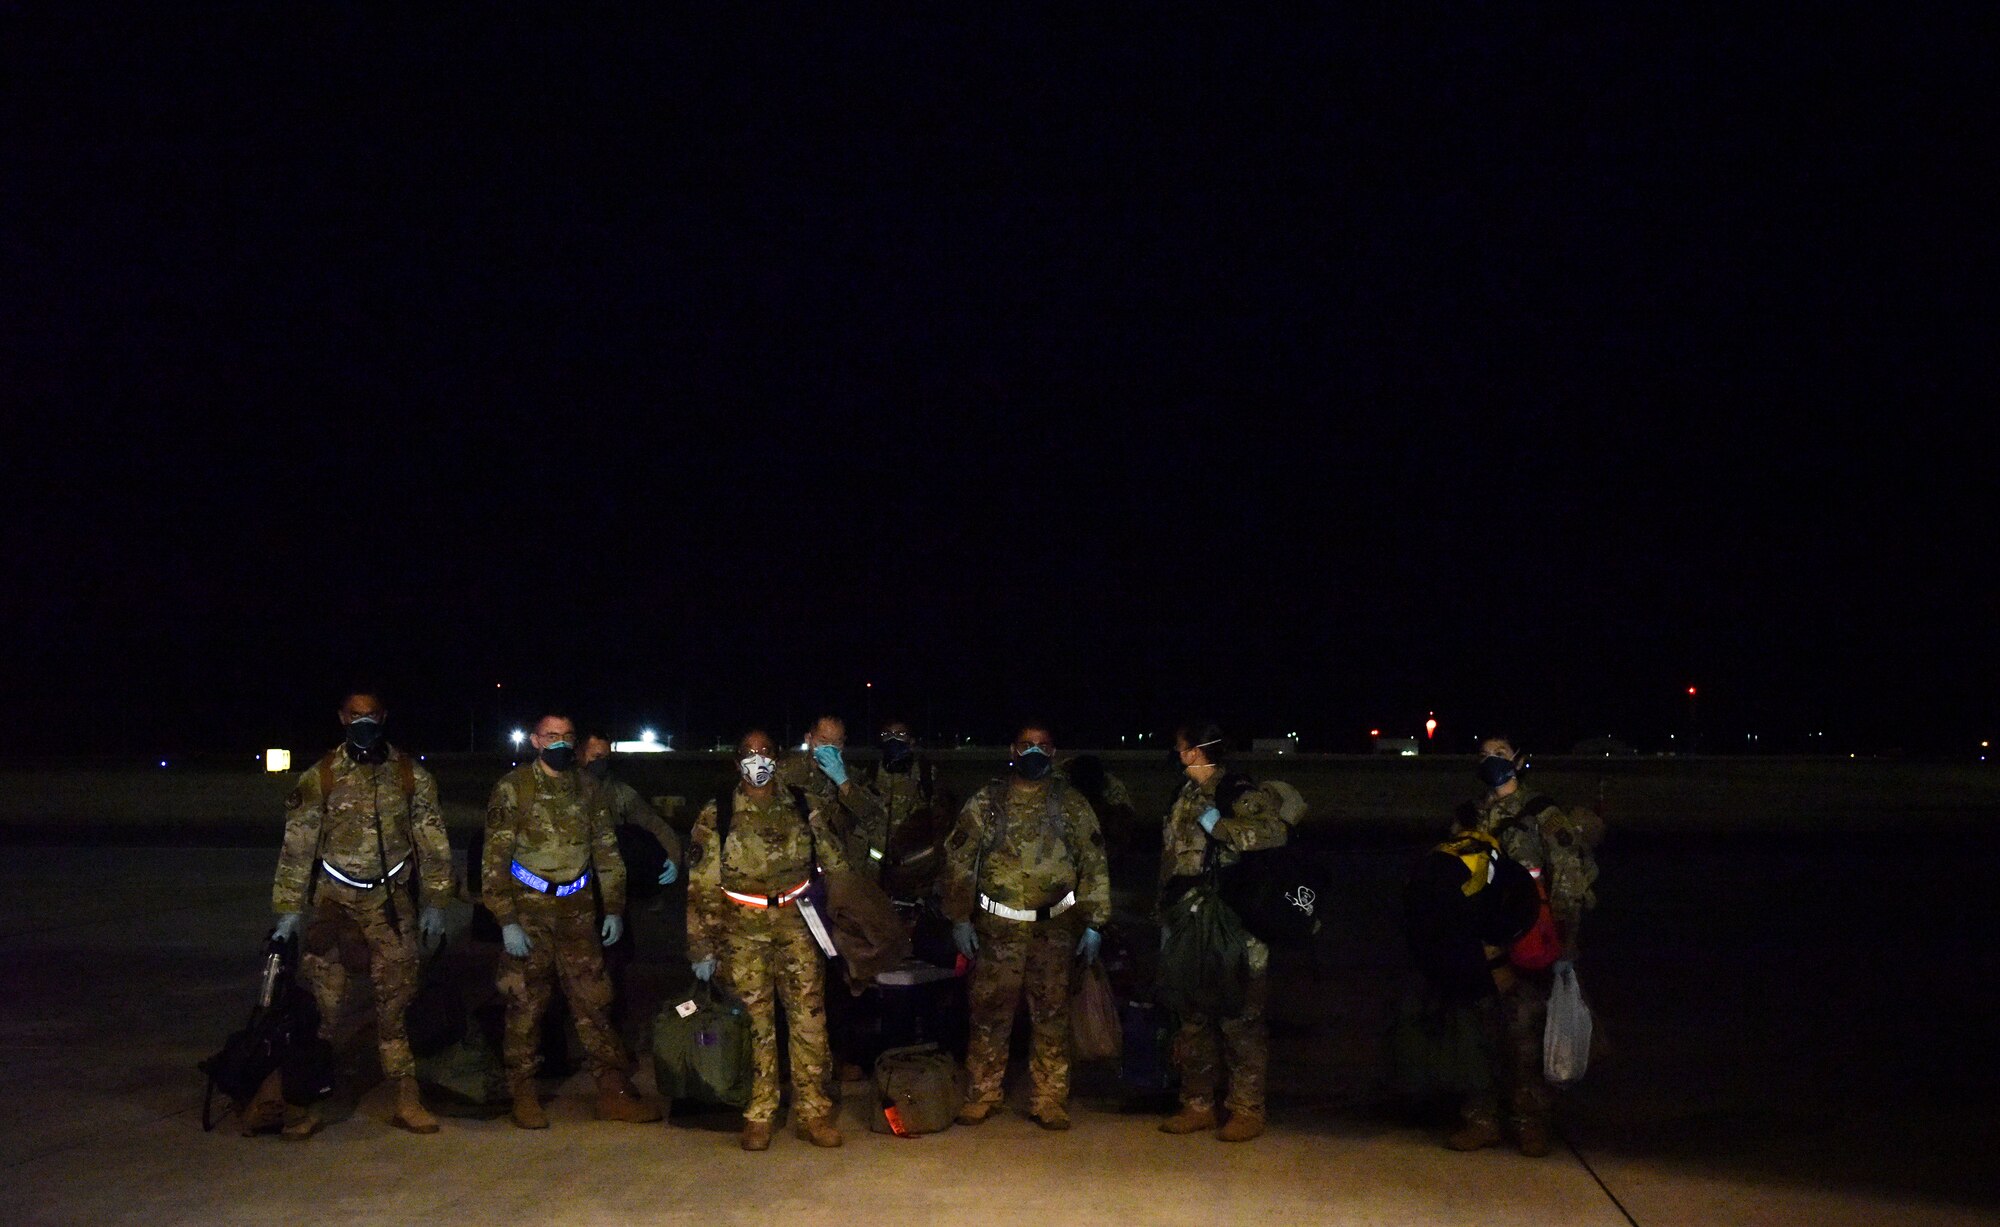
column 1089, row 944
column 288, row 925
column 670, row 875
column 515, row 939
column 430, row 923
column 965, row 938
column 612, row 929
column 828, row 758
column 704, row 971
column 1209, row 817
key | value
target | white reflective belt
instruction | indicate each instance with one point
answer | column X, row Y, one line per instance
column 357, row 883
column 768, row 900
column 1057, row 908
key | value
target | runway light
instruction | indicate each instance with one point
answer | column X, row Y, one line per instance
column 163, row 762
column 277, row 760
column 517, row 736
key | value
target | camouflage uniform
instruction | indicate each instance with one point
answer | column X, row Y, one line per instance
column 1033, row 862
column 901, row 837
column 846, row 813
column 766, row 955
column 363, row 826
column 627, row 806
column 1253, row 823
column 1515, row 1015
column 557, row 828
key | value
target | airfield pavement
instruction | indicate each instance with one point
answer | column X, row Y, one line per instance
column 1799, row 1033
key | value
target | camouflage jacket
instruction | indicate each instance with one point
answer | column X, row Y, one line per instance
column 900, row 797
column 339, row 826
column 1022, row 856
column 1251, row 824
column 1553, row 842
column 771, row 850
column 847, row 813
column 555, row 826
column 626, row 805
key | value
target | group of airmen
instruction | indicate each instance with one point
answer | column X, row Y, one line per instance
column 1021, row 874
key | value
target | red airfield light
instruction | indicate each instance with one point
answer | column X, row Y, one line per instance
column 1690, row 692
column 1374, row 732
column 1431, row 727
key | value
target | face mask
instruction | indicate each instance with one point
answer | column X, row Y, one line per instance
column 363, row 732
column 1495, row 770
column 896, row 755
column 1033, row 763
column 598, row 770
column 757, row 769
column 559, row 755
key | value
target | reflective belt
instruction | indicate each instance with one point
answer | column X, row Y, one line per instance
column 359, row 883
column 541, row 885
column 1057, row 908
column 768, row 900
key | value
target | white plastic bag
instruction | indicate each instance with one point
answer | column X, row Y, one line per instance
column 1566, row 1035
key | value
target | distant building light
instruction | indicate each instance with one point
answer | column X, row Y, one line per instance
column 1407, row 753
column 648, row 735
column 277, row 760
column 637, row 747
column 163, row 762
column 517, row 737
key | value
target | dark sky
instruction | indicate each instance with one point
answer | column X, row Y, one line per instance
column 1318, row 375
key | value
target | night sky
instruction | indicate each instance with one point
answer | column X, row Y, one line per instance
column 1525, row 368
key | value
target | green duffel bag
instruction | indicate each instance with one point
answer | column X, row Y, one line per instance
column 916, row 1091
column 466, row 1078
column 701, row 1050
column 1204, row 955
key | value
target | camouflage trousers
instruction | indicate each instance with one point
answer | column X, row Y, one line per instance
column 1242, row 1043
column 563, row 945
column 1018, row 955
column 350, row 936
column 1513, row 1020
column 768, row 958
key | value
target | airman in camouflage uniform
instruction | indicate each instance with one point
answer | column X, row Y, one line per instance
column 1027, row 890
column 821, row 771
column 758, row 941
column 1554, row 845
column 361, row 827
column 547, row 835
column 625, row 804
column 901, row 839
column 1196, row 822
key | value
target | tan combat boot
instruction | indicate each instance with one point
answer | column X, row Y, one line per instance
column 1189, row 1120
column 1054, row 1118
column 1475, row 1135
column 1535, row 1138
column 411, row 1114
column 527, row 1106
column 756, row 1135
column 1242, row 1127
column 618, row 1099
column 973, row 1113
column 818, row 1132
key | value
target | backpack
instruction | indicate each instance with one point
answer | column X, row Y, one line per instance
column 916, row 1091
column 1461, row 896
column 281, row 1034
column 1279, row 893
column 701, row 1050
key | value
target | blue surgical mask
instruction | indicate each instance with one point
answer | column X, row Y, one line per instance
column 1033, row 763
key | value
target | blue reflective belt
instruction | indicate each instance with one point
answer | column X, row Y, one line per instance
column 535, row 882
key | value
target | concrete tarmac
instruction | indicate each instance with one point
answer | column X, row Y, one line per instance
column 125, row 966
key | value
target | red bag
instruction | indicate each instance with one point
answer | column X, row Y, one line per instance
column 1541, row 945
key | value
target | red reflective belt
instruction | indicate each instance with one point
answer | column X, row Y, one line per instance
column 768, row 900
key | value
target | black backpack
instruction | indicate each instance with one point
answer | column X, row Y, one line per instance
column 1462, row 895
column 281, row 1034
column 1280, row 894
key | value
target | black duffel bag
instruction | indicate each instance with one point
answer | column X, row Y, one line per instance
column 281, row 1035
